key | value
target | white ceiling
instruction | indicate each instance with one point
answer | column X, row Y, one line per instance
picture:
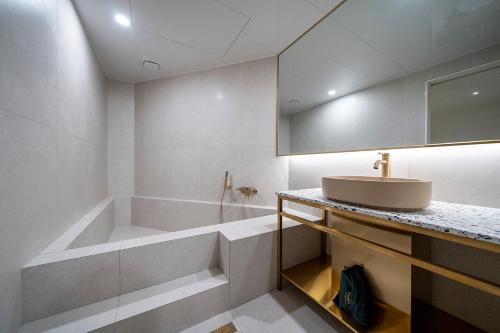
column 364, row 43
column 188, row 35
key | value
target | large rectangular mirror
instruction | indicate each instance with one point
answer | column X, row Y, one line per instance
column 390, row 74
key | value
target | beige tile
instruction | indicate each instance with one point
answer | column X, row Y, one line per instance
column 97, row 318
column 462, row 174
column 98, row 231
column 149, row 112
column 123, row 211
column 252, row 267
column 183, row 96
column 174, row 317
column 29, row 179
column 224, row 254
column 214, row 163
column 266, row 172
column 221, row 107
column 144, row 266
column 150, row 173
column 56, row 287
column 285, row 311
column 259, row 102
column 75, row 178
column 182, row 173
column 120, row 113
column 28, row 84
column 120, row 172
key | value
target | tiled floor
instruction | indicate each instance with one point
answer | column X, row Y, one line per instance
column 132, row 231
column 278, row 311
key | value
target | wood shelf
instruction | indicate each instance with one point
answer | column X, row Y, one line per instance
column 320, row 282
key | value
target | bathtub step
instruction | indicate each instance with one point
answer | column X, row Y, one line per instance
column 166, row 307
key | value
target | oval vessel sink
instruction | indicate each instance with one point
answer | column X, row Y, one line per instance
column 379, row 192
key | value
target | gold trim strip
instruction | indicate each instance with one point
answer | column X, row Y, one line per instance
column 446, row 272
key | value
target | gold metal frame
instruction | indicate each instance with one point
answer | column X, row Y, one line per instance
column 320, row 289
column 463, row 143
column 355, row 217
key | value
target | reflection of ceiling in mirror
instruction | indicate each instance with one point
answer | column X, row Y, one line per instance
column 364, row 43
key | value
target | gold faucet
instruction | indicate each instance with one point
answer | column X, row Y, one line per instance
column 386, row 164
column 248, row 190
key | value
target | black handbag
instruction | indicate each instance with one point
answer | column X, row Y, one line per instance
column 353, row 296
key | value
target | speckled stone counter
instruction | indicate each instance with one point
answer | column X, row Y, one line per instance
column 481, row 223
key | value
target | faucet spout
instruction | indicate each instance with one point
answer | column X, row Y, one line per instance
column 377, row 163
column 385, row 161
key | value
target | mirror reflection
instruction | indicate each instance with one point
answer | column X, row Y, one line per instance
column 391, row 73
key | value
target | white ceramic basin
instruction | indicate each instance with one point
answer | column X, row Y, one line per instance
column 379, row 192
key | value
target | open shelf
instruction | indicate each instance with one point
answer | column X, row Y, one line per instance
column 319, row 281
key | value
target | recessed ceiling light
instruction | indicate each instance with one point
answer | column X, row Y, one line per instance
column 475, row 93
column 331, row 92
column 219, row 96
column 122, row 19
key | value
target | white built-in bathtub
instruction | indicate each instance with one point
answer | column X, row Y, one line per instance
column 147, row 216
column 174, row 215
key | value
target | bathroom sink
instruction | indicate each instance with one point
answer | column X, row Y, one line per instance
column 379, row 192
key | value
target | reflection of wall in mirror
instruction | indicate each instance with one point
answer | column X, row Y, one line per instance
column 466, row 124
column 386, row 115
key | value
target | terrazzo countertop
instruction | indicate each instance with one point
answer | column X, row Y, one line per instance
column 481, row 223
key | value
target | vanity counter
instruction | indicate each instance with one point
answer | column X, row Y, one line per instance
column 475, row 222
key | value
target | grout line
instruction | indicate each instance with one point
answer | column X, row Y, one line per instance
column 236, row 38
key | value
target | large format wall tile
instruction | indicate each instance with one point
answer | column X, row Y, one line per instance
column 222, row 110
column 203, row 124
column 149, row 110
column 150, row 173
column 259, row 102
column 145, row 266
column 182, row 173
column 265, row 171
column 54, row 153
column 120, row 113
column 463, row 174
column 28, row 35
column 121, row 166
column 28, row 204
column 183, row 102
column 56, row 287
column 214, row 164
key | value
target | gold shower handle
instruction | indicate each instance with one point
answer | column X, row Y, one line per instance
column 248, row 190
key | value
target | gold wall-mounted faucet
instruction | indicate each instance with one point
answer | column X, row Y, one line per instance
column 386, row 164
column 248, row 190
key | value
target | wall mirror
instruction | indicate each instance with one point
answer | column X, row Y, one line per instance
column 392, row 74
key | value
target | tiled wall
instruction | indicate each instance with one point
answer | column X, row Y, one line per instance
column 121, row 148
column 190, row 129
column 52, row 135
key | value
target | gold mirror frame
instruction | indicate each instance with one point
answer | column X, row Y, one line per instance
column 464, row 143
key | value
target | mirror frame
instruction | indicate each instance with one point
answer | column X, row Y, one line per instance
column 463, row 143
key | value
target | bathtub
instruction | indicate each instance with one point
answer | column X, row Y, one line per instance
column 149, row 216
column 174, row 215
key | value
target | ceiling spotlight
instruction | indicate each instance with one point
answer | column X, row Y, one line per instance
column 475, row 93
column 122, row 19
column 331, row 92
